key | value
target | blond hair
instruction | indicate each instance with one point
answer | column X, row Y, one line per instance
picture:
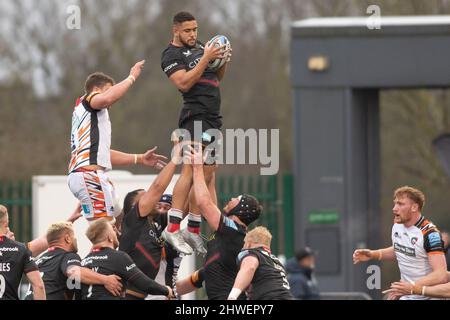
column 97, row 230
column 3, row 213
column 58, row 230
column 413, row 194
column 260, row 235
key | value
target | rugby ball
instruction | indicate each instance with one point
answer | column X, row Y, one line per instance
column 216, row 64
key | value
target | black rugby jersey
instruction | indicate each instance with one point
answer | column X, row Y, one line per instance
column 203, row 99
column 141, row 240
column 269, row 281
column 220, row 266
column 53, row 266
column 108, row 261
column 15, row 260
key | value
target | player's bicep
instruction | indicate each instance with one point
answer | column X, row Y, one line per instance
column 248, row 261
column 437, row 262
column 29, row 264
column 99, row 101
column 178, row 78
column 34, row 277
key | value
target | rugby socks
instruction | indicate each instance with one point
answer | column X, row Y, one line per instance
column 175, row 217
column 194, row 221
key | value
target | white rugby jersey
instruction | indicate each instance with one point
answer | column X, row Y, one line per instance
column 412, row 247
column 90, row 136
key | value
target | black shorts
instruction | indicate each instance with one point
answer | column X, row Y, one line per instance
column 202, row 136
column 189, row 122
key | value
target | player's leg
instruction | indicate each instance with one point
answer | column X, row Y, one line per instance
column 192, row 233
column 175, row 215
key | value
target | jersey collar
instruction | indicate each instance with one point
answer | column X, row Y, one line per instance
column 418, row 223
column 97, row 249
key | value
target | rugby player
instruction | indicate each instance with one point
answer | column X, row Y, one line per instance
column 15, row 260
column 60, row 267
column 185, row 62
column 91, row 149
column 416, row 245
column 224, row 245
column 171, row 256
column 141, row 232
column 261, row 274
column 106, row 260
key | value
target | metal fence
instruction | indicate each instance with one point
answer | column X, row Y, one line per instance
column 276, row 196
column 16, row 196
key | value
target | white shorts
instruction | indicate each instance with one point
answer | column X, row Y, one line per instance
column 96, row 194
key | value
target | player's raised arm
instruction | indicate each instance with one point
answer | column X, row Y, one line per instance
column 159, row 185
column 204, row 200
column 149, row 159
column 113, row 94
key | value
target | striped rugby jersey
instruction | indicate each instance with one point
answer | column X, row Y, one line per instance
column 412, row 248
column 90, row 136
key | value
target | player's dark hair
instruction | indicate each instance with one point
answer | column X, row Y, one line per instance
column 182, row 16
column 97, row 79
column 129, row 200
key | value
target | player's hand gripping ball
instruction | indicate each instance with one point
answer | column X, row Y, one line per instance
column 220, row 40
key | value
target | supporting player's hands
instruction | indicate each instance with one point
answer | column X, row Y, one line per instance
column 137, row 68
column 177, row 151
column 76, row 214
column 113, row 284
column 212, row 52
column 361, row 255
column 152, row 159
column 195, row 155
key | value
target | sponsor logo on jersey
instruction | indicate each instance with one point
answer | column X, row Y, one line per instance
column 73, row 261
column 434, row 239
column 86, row 209
column 187, row 53
column 44, row 258
column 9, row 249
column 194, row 63
column 411, row 252
column 131, row 267
column 170, row 66
column 88, row 260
